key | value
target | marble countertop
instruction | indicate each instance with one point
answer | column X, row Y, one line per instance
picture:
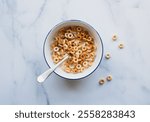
column 24, row 25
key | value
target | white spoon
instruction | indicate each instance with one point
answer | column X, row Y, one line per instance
column 41, row 78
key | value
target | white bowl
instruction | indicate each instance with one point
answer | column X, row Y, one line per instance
column 49, row 40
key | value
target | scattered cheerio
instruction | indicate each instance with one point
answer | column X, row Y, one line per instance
column 114, row 37
column 107, row 56
column 121, row 45
column 101, row 81
column 109, row 78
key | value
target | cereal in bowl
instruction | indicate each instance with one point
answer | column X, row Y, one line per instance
column 78, row 44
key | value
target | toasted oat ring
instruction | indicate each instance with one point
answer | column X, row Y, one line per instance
column 107, row 56
column 75, row 60
column 79, row 52
column 79, row 29
column 89, row 38
column 114, row 37
column 70, row 35
column 56, row 49
column 121, row 45
column 71, row 66
column 78, row 66
column 72, row 52
column 84, row 48
column 56, row 60
column 82, row 68
column 65, row 46
column 67, row 70
column 82, row 34
column 109, row 78
column 66, row 35
column 101, row 81
column 85, row 63
column 69, row 31
column 79, row 37
column 75, row 48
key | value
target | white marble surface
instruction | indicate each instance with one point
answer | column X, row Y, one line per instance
column 23, row 27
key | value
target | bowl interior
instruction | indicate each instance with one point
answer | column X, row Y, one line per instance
column 98, row 42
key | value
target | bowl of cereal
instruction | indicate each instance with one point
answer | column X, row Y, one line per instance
column 80, row 41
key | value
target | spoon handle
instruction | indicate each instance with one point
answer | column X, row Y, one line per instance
column 45, row 75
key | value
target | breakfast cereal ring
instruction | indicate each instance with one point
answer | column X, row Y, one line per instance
column 92, row 54
column 52, row 46
column 71, row 66
column 70, row 35
column 75, row 60
column 86, row 43
column 89, row 51
column 90, row 63
column 56, row 49
column 57, row 53
column 66, row 64
column 74, row 33
column 79, row 29
column 88, row 55
column 107, row 56
column 87, row 36
column 90, row 59
column 85, row 39
column 60, row 57
column 71, row 43
column 83, row 55
column 79, row 37
column 77, row 55
column 54, row 53
column 114, row 37
column 89, row 39
column 94, row 47
column 109, row 78
column 66, row 35
column 78, row 66
column 68, row 31
column 84, row 48
column 61, row 51
column 72, row 52
column 76, row 42
column 82, row 34
column 81, row 69
column 121, row 45
column 75, row 70
column 64, row 41
column 90, row 46
column 62, row 36
column 56, row 38
column 79, row 52
column 56, row 60
column 59, row 41
column 85, row 63
column 75, row 48
column 60, row 45
column 65, row 46
column 101, row 81
column 67, row 70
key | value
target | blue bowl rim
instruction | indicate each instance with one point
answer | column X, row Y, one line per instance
column 75, row 21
